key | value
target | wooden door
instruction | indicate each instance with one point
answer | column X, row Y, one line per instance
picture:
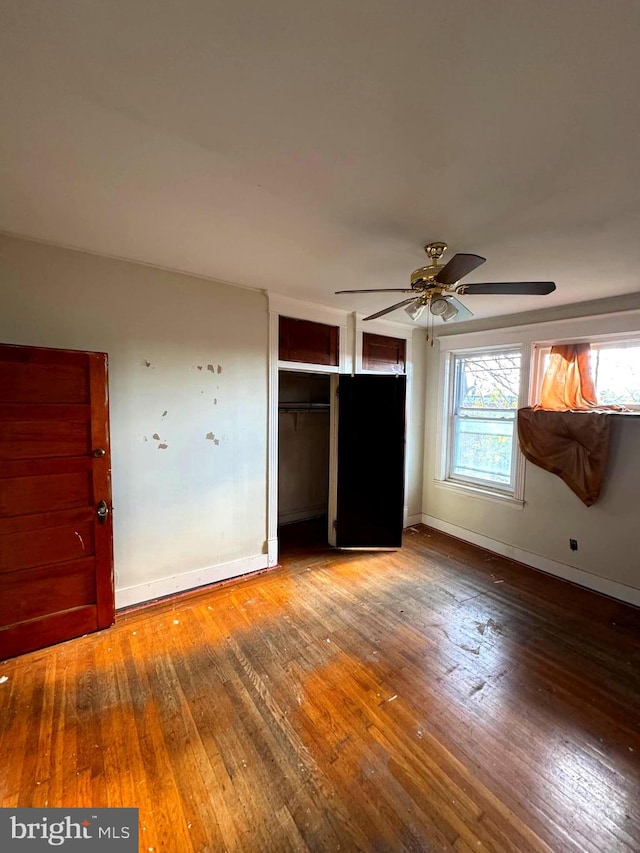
column 56, row 550
column 371, row 439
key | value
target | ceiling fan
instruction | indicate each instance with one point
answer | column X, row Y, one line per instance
column 434, row 286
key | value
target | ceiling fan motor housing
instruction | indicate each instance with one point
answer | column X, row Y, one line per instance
column 424, row 275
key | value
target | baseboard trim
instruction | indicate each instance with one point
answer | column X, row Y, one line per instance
column 302, row 514
column 410, row 520
column 620, row 591
column 162, row 587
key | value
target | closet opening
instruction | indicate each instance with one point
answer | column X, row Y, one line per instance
column 304, row 408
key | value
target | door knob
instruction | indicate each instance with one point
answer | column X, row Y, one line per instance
column 102, row 511
column 99, row 451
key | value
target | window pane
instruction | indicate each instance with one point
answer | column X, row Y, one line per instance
column 489, row 381
column 616, row 372
column 483, row 450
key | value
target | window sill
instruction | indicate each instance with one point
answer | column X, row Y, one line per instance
column 472, row 491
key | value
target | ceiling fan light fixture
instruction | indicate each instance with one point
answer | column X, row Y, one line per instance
column 439, row 306
column 450, row 313
column 415, row 310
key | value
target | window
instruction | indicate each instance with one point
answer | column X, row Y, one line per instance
column 615, row 366
column 484, row 398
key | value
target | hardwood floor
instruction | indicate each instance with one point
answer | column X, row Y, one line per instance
column 437, row 698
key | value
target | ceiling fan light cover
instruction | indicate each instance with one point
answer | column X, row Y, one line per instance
column 438, row 306
column 450, row 312
column 415, row 310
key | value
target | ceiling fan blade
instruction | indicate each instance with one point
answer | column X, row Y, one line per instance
column 458, row 267
column 527, row 288
column 391, row 308
column 380, row 290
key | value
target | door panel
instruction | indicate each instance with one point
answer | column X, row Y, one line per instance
column 20, row 439
column 56, row 560
column 46, row 546
column 43, row 383
column 38, row 633
column 371, row 439
column 29, row 495
column 47, row 590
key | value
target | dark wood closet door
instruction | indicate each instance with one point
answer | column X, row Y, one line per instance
column 371, row 439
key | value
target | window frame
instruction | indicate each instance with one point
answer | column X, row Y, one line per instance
column 512, row 493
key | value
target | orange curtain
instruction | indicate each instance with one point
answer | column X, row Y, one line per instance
column 568, row 384
column 572, row 445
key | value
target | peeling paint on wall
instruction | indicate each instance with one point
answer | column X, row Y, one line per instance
column 147, row 363
column 219, row 369
column 199, row 366
column 215, row 401
column 164, row 414
column 162, row 446
column 156, row 436
column 210, row 436
column 210, row 368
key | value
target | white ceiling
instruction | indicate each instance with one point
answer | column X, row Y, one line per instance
column 307, row 147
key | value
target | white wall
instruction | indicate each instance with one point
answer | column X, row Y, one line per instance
column 608, row 533
column 195, row 511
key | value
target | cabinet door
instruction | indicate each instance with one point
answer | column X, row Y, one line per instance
column 304, row 341
column 380, row 352
column 371, row 441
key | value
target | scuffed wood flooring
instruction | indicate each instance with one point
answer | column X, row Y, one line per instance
column 437, row 698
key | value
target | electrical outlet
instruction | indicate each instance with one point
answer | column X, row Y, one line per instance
column 573, row 544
